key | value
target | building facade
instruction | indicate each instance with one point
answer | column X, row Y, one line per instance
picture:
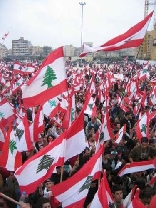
column 148, row 48
column 3, row 51
column 20, row 47
column 46, row 51
column 69, row 51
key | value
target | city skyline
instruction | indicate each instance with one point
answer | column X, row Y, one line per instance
column 56, row 23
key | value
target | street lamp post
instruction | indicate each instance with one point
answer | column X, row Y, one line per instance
column 82, row 4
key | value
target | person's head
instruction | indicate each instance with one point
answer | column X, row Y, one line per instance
column 144, row 142
column 117, row 193
column 146, row 195
column 128, row 115
column 48, row 184
column 43, row 203
column 4, row 203
column 50, row 138
column 151, row 142
column 107, row 153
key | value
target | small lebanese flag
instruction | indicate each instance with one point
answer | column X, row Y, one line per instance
column 75, row 138
column 11, row 159
column 142, row 127
column 137, row 167
column 120, row 134
column 103, row 198
column 49, row 81
column 73, row 192
column 136, row 203
column 2, row 136
column 21, row 135
column 40, row 166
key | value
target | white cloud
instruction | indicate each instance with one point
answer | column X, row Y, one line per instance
column 58, row 22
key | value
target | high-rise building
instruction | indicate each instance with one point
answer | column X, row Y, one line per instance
column 90, row 44
column 21, row 47
column 3, row 51
column 46, row 50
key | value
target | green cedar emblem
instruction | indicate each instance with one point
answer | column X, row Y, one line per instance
column 152, row 96
column 48, row 77
column 52, row 103
column 91, row 106
column 1, row 115
column 143, row 128
column 12, row 146
column 86, row 184
column 72, row 114
column 19, row 133
column 144, row 71
column 101, row 137
column 45, row 163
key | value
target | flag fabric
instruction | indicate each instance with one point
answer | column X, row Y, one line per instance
column 129, row 198
column 48, row 82
column 132, row 38
column 137, row 167
column 21, row 135
column 40, row 166
column 5, row 35
column 11, row 159
column 120, row 134
column 142, row 127
column 75, row 138
column 103, row 198
column 136, row 203
column 2, row 136
column 7, row 114
column 73, row 191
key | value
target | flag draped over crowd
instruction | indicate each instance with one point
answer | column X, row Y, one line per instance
column 48, row 91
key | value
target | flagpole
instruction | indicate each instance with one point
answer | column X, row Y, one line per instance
column 82, row 4
column 9, row 198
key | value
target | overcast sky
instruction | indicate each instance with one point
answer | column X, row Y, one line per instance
column 58, row 22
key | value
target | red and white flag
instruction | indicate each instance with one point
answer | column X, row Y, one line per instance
column 137, row 167
column 48, row 82
column 120, row 134
column 142, row 127
column 103, row 198
column 11, row 158
column 40, row 166
column 132, row 38
column 73, row 191
column 75, row 138
column 5, row 35
column 136, row 203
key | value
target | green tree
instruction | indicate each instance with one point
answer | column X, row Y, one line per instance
column 48, row 77
column 45, row 163
column 12, row 146
column 19, row 133
column 86, row 184
column 52, row 103
column 143, row 128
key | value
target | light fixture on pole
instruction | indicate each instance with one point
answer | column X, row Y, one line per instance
column 82, row 4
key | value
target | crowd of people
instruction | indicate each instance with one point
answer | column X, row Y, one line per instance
column 130, row 149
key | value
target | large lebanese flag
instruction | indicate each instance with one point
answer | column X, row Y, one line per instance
column 137, row 167
column 49, row 81
column 103, row 198
column 132, row 38
column 40, row 166
column 73, row 192
column 75, row 138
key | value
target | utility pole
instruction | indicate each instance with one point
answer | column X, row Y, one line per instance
column 82, row 4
